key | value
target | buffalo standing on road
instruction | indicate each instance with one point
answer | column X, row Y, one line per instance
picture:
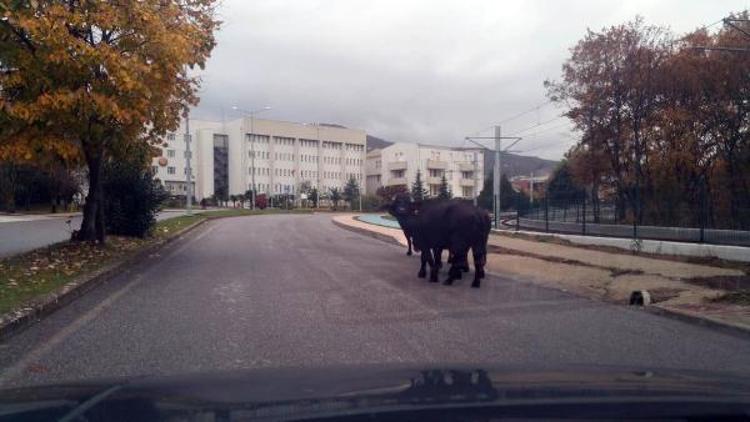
column 436, row 225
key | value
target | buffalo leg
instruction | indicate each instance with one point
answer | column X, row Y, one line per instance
column 408, row 244
column 423, row 263
column 433, row 264
column 454, row 273
column 480, row 259
column 439, row 257
column 464, row 268
column 460, row 251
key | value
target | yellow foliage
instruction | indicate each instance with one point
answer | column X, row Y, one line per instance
column 83, row 75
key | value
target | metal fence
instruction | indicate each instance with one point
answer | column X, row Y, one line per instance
column 700, row 224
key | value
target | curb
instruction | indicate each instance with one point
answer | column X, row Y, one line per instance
column 376, row 235
column 85, row 283
column 707, row 322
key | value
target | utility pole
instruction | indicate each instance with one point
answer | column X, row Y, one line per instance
column 252, row 161
column 531, row 189
column 252, row 138
column 476, row 178
column 496, row 186
column 188, row 168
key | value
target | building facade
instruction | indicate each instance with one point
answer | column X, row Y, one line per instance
column 274, row 156
column 398, row 164
column 532, row 186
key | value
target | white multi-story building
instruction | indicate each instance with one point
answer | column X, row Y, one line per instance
column 275, row 156
column 397, row 165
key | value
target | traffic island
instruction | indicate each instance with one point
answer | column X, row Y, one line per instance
column 710, row 294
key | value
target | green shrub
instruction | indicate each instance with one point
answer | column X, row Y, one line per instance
column 131, row 198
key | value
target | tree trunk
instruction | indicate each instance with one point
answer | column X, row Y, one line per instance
column 92, row 226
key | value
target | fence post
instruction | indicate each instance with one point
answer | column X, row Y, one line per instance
column 583, row 214
column 546, row 214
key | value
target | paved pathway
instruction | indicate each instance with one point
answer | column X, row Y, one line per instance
column 21, row 233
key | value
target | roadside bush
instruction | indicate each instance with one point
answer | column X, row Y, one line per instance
column 371, row 203
column 131, row 198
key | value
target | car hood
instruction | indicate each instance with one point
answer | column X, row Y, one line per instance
column 288, row 393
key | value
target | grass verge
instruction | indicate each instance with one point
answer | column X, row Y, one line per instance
column 41, row 271
column 33, row 274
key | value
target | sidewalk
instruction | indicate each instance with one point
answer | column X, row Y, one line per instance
column 659, row 247
column 677, row 287
column 19, row 217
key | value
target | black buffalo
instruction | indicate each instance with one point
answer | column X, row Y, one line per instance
column 437, row 225
column 402, row 211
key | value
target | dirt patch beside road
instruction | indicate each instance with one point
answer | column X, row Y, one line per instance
column 693, row 290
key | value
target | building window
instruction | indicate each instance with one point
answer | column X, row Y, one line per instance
column 170, row 153
column 170, row 137
column 155, row 169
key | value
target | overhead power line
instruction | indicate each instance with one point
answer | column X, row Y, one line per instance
column 523, row 113
column 514, row 117
column 547, row 145
column 545, row 130
column 537, row 125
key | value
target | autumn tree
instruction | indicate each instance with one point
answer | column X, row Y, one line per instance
column 663, row 120
column 562, row 186
column 729, row 119
column 588, row 169
column 611, row 82
column 80, row 77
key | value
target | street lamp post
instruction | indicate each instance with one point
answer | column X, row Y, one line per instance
column 188, row 168
column 252, row 114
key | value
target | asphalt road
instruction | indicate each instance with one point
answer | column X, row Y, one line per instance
column 31, row 232
column 295, row 290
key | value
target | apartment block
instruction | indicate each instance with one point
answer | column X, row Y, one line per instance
column 398, row 164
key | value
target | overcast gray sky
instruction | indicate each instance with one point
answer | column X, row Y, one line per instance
column 416, row 71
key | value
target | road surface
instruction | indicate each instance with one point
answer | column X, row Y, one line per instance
column 295, row 290
column 23, row 233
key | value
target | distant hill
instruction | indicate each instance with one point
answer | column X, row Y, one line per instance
column 373, row 142
column 520, row 165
